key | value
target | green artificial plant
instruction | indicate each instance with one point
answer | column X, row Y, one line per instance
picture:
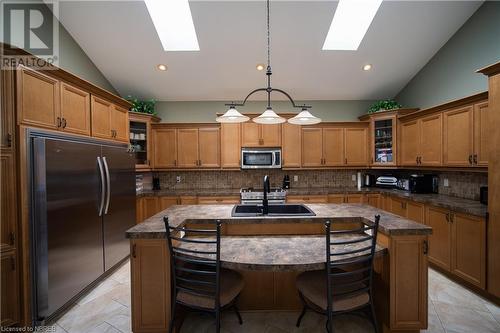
column 142, row 106
column 388, row 104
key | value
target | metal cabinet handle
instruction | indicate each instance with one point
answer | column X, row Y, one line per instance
column 475, row 159
column 108, row 184
column 346, row 161
column 12, row 238
column 9, row 140
column 426, row 247
column 58, row 122
column 103, row 189
column 470, row 159
column 447, row 217
column 64, row 123
column 416, row 159
column 134, row 255
column 452, row 218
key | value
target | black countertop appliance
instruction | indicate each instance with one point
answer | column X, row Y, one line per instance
column 423, row 183
column 286, row 182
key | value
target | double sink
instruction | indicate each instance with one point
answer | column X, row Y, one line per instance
column 274, row 210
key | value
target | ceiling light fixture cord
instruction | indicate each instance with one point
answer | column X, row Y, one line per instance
column 268, row 72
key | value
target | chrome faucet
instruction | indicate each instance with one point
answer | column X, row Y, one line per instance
column 267, row 189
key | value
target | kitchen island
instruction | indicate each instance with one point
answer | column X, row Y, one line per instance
column 270, row 251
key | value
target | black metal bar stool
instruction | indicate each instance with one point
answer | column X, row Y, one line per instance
column 198, row 281
column 346, row 283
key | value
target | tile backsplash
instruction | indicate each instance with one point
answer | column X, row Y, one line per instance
column 460, row 184
column 253, row 178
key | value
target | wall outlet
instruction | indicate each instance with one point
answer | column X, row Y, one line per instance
column 353, row 177
column 178, row 179
column 295, row 178
column 446, row 183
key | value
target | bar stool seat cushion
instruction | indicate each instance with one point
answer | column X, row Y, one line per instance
column 231, row 284
column 312, row 285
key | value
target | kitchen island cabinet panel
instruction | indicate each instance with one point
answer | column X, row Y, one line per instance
column 150, row 280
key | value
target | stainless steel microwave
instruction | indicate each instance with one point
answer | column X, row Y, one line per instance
column 261, row 158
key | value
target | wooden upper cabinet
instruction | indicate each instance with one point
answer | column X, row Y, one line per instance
column 250, row 134
column 291, row 143
column 469, row 248
column 209, row 147
column 481, row 134
column 7, row 112
column 356, row 146
column 75, row 109
column 8, row 221
column 440, row 239
column 187, row 148
column 271, row 135
column 10, row 310
column 333, row 146
column 101, row 118
column 37, row 99
column 230, row 145
column 258, row 135
column 119, row 123
column 164, row 142
column 410, row 142
column 312, row 147
column 458, row 137
column 431, row 140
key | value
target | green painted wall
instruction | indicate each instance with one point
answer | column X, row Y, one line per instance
column 205, row 111
column 451, row 73
column 73, row 59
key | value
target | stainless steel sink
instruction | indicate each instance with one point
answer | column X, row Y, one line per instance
column 274, row 210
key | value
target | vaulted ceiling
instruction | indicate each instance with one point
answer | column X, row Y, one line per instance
column 121, row 40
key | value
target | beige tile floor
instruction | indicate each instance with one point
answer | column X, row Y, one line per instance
column 452, row 308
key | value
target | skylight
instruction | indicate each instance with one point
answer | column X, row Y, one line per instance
column 350, row 23
column 174, row 24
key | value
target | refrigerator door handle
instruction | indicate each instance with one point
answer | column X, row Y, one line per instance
column 103, row 189
column 108, row 185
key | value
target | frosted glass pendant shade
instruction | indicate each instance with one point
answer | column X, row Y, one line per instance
column 304, row 118
column 232, row 116
column 269, row 117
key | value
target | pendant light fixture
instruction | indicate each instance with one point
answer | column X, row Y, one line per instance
column 269, row 116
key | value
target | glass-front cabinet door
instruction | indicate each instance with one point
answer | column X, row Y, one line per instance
column 384, row 135
column 140, row 138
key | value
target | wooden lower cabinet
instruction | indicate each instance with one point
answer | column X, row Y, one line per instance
column 440, row 239
column 415, row 211
column 188, row 200
column 150, row 206
column 307, row 198
column 150, row 285
column 398, row 206
column 219, row 200
column 10, row 310
column 354, row 198
column 336, row 198
column 408, row 282
column 373, row 200
column 468, row 254
column 165, row 202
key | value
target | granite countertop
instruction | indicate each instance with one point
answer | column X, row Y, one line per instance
column 458, row 205
column 278, row 253
column 390, row 224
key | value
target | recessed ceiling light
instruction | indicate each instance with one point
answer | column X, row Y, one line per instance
column 162, row 67
column 260, row 67
column 174, row 24
column 367, row 67
column 349, row 25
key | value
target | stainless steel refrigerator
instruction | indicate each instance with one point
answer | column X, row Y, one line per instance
column 83, row 201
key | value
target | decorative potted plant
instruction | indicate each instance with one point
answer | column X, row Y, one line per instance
column 384, row 105
column 142, row 106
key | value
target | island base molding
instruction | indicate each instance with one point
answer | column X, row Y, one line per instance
column 400, row 283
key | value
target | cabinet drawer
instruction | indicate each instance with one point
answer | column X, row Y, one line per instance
column 307, row 199
column 218, row 200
